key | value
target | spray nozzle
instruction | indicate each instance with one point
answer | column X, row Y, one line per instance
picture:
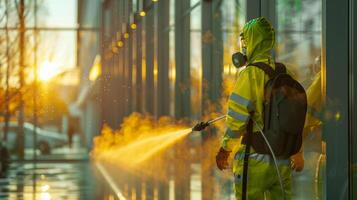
column 202, row 125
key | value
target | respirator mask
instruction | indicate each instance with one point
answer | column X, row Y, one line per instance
column 239, row 59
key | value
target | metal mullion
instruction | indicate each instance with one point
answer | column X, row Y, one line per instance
column 149, row 82
column 182, row 55
column 103, row 81
column 127, row 58
column 163, row 59
column 138, row 49
column 211, row 87
column 182, row 93
column 353, row 101
column 119, row 63
column 336, row 123
column 188, row 11
column 253, row 9
column 162, row 86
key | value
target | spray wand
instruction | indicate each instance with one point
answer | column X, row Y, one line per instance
column 202, row 125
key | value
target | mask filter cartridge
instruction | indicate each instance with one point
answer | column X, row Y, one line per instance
column 239, row 59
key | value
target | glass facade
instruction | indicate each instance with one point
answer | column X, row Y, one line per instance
column 298, row 45
column 51, row 13
column 99, row 61
column 196, row 59
column 185, row 56
column 202, row 35
column 41, row 125
column 50, row 50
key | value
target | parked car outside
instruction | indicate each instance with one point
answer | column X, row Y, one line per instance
column 46, row 140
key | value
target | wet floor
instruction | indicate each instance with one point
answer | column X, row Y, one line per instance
column 45, row 181
column 81, row 179
column 124, row 187
column 304, row 185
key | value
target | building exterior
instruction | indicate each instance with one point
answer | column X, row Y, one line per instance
column 87, row 106
column 172, row 57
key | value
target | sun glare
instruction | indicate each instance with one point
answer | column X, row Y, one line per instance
column 48, row 70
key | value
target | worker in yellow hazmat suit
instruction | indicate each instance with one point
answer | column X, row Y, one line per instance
column 245, row 103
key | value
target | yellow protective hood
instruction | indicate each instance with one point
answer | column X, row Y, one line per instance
column 259, row 36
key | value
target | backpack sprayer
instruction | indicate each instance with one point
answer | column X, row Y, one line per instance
column 202, row 125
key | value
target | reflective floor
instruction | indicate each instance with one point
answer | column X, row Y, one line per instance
column 82, row 179
column 124, row 187
column 45, row 181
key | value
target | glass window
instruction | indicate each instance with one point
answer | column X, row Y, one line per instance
column 233, row 17
column 13, row 19
column 57, row 47
column 134, row 68
column 13, row 44
column 91, row 18
column 233, row 20
column 52, row 13
column 196, row 62
column 9, row 64
column 107, row 24
column 298, row 45
column 172, row 67
column 3, row 12
column 3, row 58
column 194, row 3
column 155, row 56
column 134, row 5
column 143, row 61
column 56, row 70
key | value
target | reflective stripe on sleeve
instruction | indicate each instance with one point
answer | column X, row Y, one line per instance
column 233, row 134
column 242, row 101
column 237, row 116
column 262, row 157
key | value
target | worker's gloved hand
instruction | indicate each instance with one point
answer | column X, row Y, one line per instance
column 222, row 159
column 297, row 162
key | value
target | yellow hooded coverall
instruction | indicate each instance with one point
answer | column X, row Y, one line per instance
column 245, row 102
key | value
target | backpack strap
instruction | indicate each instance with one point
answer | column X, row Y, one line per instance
column 265, row 67
column 279, row 68
column 246, row 158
